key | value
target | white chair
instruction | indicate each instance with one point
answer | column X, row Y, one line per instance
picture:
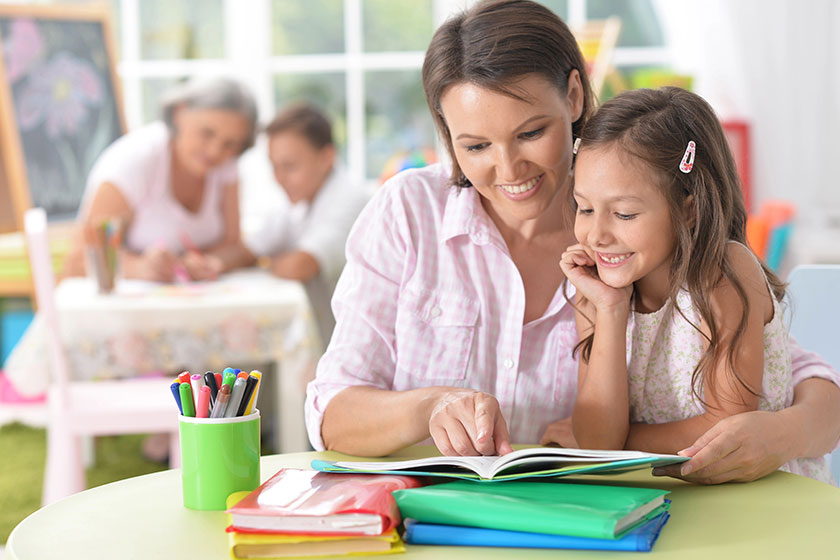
column 87, row 408
column 814, row 292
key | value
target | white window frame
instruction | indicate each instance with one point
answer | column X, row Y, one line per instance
column 248, row 57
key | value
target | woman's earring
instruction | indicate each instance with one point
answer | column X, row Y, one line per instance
column 576, row 146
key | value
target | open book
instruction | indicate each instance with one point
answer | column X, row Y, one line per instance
column 524, row 463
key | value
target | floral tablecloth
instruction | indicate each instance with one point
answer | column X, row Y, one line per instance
column 247, row 317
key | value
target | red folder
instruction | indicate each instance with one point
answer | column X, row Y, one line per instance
column 311, row 502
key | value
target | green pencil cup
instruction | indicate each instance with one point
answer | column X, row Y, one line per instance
column 219, row 456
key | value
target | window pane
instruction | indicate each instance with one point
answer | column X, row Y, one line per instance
column 559, row 7
column 182, row 30
column 324, row 91
column 640, row 26
column 153, row 90
column 397, row 117
column 397, row 25
column 308, row 26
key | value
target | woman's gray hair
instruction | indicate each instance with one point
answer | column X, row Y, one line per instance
column 212, row 93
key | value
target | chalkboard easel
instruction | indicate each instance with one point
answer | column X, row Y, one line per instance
column 60, row 106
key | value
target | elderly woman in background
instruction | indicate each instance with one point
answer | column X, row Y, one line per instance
column 173, row 184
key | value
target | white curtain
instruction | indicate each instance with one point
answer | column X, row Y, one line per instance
column 775, row 63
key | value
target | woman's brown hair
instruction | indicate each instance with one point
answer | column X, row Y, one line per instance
column 655, row 126
column 493, row 44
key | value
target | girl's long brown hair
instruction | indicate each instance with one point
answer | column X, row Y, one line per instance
column 655, row 126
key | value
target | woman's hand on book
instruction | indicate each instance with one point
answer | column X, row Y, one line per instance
column 466, row 422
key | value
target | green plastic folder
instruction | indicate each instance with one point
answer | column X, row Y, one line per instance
column 557, row 508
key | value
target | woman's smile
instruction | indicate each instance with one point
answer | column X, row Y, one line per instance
column 523, row 190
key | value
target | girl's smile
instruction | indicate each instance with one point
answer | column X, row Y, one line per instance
column 613, row 259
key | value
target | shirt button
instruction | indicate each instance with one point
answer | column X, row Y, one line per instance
column 435, row 312
column 508, row 363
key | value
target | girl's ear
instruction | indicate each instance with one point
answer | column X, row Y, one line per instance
column 688, row 211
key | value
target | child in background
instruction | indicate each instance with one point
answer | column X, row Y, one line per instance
column 307, row 238
column 680, row 324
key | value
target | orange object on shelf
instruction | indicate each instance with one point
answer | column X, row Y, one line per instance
column 758, row 229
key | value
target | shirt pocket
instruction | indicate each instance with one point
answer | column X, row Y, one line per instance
column 434, row 337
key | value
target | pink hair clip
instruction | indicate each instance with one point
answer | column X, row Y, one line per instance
column 688, row 158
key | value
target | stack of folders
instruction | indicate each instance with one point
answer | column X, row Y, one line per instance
column 217, row 395
column 534, row 515
column 302, row 513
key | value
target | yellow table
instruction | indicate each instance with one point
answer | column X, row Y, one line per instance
column 781, row 516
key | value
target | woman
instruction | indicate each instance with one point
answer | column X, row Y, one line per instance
column 451, row 321
column 173, row 184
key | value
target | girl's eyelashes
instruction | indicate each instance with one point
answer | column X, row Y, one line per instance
column 584, row 211
column 625, row 216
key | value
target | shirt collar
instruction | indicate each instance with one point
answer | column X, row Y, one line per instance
column 464, row 215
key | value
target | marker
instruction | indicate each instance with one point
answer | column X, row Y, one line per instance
column 253, row 402
column 218, row 377
column 177, row 394
column 250, row 385
column 203, row 410
column 221, row 402
column 235, row 398
column 196, row 382
column 186, row 399
column 184, row 377
column 228, row 379
column 210, row 381
column 187, row 242
column 242, row 374
column 227, row 369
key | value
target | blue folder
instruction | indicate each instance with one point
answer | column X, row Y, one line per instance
column 639, row 539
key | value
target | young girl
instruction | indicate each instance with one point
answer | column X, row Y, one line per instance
column 680, row 324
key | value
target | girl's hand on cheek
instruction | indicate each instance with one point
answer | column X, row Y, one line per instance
column 579, row 267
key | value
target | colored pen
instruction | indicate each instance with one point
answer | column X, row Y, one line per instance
column 203, row 410
column 250, row 385
column 228, row 379
column 184, row 377
column 187, row 242
column 235, row 398
column 227, row 369
column 252, row 404
column 242, row 374
column 210, row 381
column 186, row 399
column 175, row 388
column 221, row 402
column 196, row 382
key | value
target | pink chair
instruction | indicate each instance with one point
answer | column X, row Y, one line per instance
column 87, row 408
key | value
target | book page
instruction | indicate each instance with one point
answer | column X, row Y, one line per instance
column 482, row 466
column 530, row 458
